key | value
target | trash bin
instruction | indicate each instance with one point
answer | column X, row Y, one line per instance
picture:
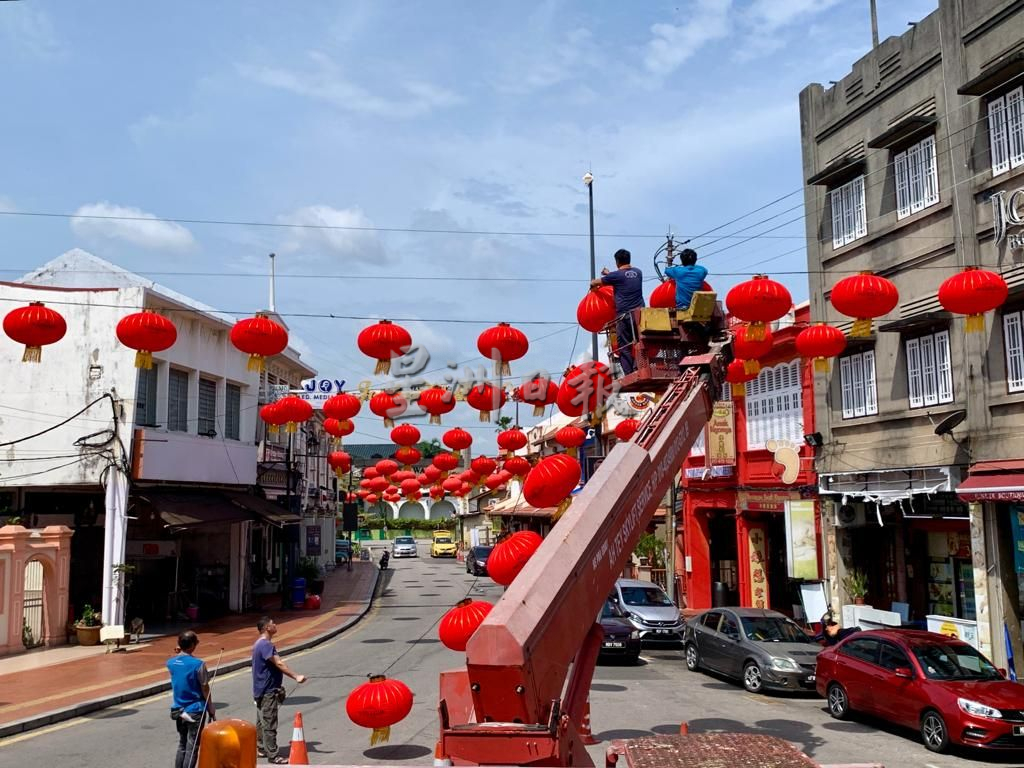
column 719, row 594
column 299, row 592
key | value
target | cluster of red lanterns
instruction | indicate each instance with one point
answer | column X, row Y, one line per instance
column 288, row 412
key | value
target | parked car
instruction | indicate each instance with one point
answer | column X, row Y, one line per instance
column 762, row 648
column 649, row 610
column 940, row 686
column 442, row 546
column 404, row 546
column 621, row 639
column 476, row 560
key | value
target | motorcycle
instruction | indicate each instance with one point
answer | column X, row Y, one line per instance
column 384, row 560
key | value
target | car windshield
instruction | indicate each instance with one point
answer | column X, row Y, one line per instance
column 773, row 629
column 954, row 661
column 611, row 611
column 482, row 551
column 405, row 540
column 652, row 595
column 442, row 540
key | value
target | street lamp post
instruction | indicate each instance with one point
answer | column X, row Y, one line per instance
column 588, row 179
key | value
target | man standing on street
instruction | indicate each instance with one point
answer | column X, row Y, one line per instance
column 689, row 278
column 628, row 284
column 268, row 671
column 191, row 705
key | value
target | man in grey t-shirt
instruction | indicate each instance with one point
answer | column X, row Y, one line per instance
column 268, row 672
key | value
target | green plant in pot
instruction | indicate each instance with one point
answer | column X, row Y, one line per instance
column 856, row 585
column 308, row 569
column 88, row 626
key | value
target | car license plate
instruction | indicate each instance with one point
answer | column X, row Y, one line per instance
column 811, row 678
column 662, row 631
column 1018, row 730
column 614, row 645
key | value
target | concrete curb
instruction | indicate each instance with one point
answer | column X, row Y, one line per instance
column 134, row 694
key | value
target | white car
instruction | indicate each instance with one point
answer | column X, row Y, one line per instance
column 404, row 546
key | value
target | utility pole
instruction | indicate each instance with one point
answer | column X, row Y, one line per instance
column 874, row 24
column 588, row 179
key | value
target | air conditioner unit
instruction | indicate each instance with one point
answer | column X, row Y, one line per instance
column 851, row 515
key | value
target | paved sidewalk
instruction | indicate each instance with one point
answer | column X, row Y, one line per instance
column 33, row 696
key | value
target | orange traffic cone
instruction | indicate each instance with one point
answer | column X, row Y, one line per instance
column 441, row 760
column 297, row 752
column 586, row 735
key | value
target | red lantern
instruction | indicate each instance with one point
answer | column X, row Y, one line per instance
column 539, row 393
column 436, row 401
column 372, row 499
column 294, row 410
column 389, row 406
column 459, row 624
column 570, row 437
column 470, row 476
column 973, row 292
column 35, row 326
column 436, row 492
column 494, row 482
column 342, row 406
column 451, row 484
column 382, row 342
column 626, row 428
column 758, row 301
column 146, row 332
column 517, row 465
column 863, row 297
column 403, row 474
column 340, row 462
column 551, row 482
column 379, row 704
column 486, row 398
column 466, row 488
column 386, row 467
column 502, row 344
column 363, row 494
column 405, row 434
column 820, row 342
column 510, row 556
column 379, row 484
column 423, row 480
column 737, row 373
column 446, row 462
column 664, row 296
column 751, row 350
column 586, row 388
column 433, row 473
column 370, row 473
column 338, row 429
column 511, row 440
column 409, row 487
column 259, row 337
column 273, row 417
column 596, row 310
column 457, row 439
column 483, row 466
column 407, row 456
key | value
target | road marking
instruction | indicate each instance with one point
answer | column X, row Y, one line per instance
column 756, row 699
column 929, row 765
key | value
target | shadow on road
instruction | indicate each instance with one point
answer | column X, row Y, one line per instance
column 791, row 730
column 300, row 700
column 607, row 687
column 398, row 752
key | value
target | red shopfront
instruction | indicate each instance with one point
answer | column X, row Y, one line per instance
column 751, row 527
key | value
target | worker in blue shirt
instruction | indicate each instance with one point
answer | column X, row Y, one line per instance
column 627, row 282
column 689, row 277
column 190, row 703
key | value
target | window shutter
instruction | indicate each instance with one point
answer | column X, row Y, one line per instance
column 857, row 368
column 1014, row 351
column 836, row 201
column 177, row 401
column 997, row 136
column 1015, row 126
column 914, row 383
column 846, row 384
column 207, row 406
column 931, row 172
column 870, row 389
column 916, row 178
column 943, row 368
column 902, row 185
column 232, row 411
column 860, row 228
column 928, row 384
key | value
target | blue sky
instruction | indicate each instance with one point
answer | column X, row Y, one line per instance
column 460, row 116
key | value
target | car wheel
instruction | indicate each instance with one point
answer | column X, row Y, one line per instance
column 838, row 702
column 692, row 657
column 934, row 732
column 753, row 680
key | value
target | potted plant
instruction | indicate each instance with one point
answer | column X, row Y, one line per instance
column 308, row 569
column 88, row 626
column 856, row 585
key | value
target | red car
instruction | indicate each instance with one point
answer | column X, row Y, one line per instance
column 937, row 685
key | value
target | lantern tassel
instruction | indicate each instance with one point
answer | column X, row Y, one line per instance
column 389, row 423
column 292, row 427
column 272, row 429
column 975, row 324
column 32, row 355
column 572, row 451
column 485, row 415
column 861, row 328
column 821, row 365
column 434, row 419
column 383, row 367
column 380, row 735
column 144, row 359
column 457, row 454
column 538, row 410
column 752, row 366
column 502, row 368
column 561, row 508
column 756, row 331
column 256, row 363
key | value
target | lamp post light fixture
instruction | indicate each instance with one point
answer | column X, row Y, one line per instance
column 588, row 180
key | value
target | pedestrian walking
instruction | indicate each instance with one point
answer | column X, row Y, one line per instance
column 268, row 672
column 628, row 284
column 191, row 705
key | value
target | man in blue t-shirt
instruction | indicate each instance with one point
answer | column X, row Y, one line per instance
column 268, row 671
column 689, row 277
column 190, row 702
column 628, row 284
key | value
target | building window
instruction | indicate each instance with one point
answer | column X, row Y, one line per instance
column 929, row 376
column 177, row 401
column 774, row 406
column 1013, row 340
column 145, row 398
column 232, row 411
column 857, row 380
column 849, row 217
column 917, row 178
column 1006, row 131
column 207, row 407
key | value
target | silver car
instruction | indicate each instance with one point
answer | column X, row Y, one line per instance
column 764, row 649
column 649, row 610
column 404, row 546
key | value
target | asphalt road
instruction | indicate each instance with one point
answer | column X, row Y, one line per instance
column 399, row 635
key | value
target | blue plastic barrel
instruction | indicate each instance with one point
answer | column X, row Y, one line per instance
column 299, row 592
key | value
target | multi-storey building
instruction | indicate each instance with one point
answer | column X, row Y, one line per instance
column 914, row 163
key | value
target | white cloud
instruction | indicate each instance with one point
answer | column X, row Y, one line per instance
column 132, row 225
column 28, row 28
column 767, row 16
column 673, row 44
column 327, row 83
column 353, row 240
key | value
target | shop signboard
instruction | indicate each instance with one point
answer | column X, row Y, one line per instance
column 801, row 540
column 317, row 391
column 721, row 442
column 1008, row 217
column 758, row 579
column 313, row 540
column 1017, row 524
column 765, row 501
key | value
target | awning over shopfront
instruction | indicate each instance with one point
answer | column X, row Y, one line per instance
column 266, row 510
column 517, row 507
column 994, row 481
column 185, row 509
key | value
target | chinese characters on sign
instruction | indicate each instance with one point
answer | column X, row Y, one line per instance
column 758, row 580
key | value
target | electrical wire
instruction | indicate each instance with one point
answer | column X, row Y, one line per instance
column 60, row 424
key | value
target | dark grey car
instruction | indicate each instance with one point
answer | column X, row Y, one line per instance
column 764, row 649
